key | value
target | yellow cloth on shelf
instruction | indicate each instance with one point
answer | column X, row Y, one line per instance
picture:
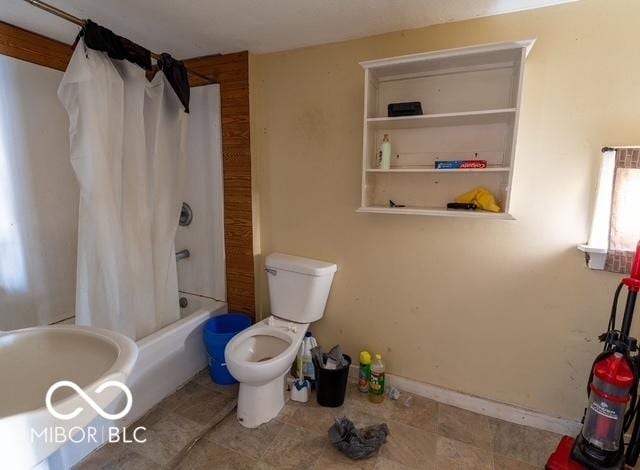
column 482, row 198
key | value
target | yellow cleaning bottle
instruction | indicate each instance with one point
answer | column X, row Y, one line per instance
column 376, row 381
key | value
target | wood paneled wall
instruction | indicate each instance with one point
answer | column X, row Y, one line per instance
column 232, row 72
column 31, row 47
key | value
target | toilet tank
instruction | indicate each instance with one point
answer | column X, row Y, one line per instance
column 298, row 287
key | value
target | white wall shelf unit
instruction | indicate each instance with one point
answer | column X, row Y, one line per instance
column 470, row 100
column 489, row 169
column 441, row 120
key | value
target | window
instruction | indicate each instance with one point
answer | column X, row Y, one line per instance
column 615, row 230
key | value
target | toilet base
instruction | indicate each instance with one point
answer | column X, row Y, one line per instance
column 259, row 404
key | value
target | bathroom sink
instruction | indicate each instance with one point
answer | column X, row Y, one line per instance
column 34, row 359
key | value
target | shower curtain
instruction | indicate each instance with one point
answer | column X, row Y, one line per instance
column 128, row 153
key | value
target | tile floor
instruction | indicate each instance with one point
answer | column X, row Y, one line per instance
column 425, row 435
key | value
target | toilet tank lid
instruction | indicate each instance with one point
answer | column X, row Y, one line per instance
column 298, row 264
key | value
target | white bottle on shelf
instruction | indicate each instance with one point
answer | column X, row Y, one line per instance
column 384, row 154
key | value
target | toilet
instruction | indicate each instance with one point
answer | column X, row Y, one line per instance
column 260, row 356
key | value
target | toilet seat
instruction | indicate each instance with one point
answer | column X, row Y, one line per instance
column 245, row 360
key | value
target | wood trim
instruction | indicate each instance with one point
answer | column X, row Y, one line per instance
column 232, row 72
column 31, row 47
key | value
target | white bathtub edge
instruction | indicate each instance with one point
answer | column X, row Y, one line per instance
column 167, row 359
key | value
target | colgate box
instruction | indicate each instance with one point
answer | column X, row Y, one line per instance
column 460, row 164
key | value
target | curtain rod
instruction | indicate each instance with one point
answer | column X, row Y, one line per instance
column 611, row 148
column 80, row 22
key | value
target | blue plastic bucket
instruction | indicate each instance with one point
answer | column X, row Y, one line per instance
column 218, row 331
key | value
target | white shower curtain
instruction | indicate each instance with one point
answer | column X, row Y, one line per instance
column 127, row 150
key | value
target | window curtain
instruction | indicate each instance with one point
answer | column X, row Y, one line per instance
column 127, row 139
column 624, row 222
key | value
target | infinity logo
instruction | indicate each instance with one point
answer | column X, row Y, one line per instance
column 88, row 399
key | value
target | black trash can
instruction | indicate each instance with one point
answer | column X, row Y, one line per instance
column 332, row 384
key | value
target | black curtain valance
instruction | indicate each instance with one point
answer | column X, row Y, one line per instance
column 176, row 73
column 102, row 39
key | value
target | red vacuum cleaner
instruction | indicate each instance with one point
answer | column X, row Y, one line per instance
column 612, row 392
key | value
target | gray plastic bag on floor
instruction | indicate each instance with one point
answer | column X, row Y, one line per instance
column 357, row 443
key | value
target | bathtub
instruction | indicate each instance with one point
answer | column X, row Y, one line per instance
column 166, row 359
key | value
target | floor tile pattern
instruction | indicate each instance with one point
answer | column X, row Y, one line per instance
column 195, row 428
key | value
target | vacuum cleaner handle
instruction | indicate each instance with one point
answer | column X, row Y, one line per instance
column 633, row 284
column 633, row 281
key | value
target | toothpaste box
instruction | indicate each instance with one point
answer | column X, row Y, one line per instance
column 460, row 164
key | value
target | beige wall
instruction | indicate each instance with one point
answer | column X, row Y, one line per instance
column 503, row 310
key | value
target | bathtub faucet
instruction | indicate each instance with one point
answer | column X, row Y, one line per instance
column 182, row 254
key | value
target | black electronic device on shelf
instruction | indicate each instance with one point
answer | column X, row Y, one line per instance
column 413, row 108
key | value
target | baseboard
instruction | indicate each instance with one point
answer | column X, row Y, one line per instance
column 483, row 406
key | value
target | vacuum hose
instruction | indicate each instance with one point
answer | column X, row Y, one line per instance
column 611, row 327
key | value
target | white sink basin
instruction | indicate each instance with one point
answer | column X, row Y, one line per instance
column 31, row 361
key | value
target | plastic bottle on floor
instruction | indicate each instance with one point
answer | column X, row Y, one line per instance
column 308, row 369
column 376, row 380
column 364, row 372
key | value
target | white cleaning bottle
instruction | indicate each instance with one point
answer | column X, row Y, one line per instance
column 384, row 154
column 308, row 369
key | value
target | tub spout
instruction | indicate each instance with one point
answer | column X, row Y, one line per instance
column 182, row 254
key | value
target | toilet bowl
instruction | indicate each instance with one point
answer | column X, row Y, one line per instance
column 260, row 356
